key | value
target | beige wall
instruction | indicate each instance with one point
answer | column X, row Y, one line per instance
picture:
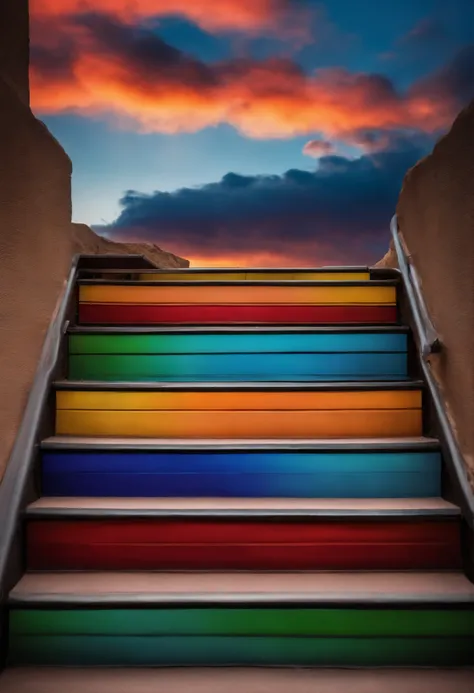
column 35, row 250
column 436, row 217
column 37, row 243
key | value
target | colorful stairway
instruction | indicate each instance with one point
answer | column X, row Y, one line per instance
column 240, row 475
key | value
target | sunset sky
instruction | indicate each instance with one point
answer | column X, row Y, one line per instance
column 248, row 132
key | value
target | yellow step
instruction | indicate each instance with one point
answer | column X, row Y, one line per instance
column 256, row 275
column 241, row 415
column 238, row 294
column 235, row 400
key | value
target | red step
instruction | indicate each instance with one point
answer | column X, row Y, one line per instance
column 149, row 534
column 134, row 314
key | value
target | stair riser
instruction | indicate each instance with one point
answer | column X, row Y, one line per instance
column 237, row 367
column 237, row 356
column 238, row 294
column 232, row 414
column 252, row 475
column 270, row 620
column 238, row 343
column 158, row 544
column 140, row 314
column 240, row 651
column 241, row 424
column 358, row 637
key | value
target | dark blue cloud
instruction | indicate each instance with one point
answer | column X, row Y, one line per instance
column 340, row 210
column 455, row 81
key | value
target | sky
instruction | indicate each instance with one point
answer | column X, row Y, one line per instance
column 248, row 132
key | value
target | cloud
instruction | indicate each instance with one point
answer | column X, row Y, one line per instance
column 250, row 16
column 456, row 79
column 337, row 214
column 379, row 140
column 317, row 148
column 427, row 32
column 128, row 73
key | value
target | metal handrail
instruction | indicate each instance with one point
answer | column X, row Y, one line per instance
column 429, row 340
column 22, row 455
column 21, row 459
column 430, row 343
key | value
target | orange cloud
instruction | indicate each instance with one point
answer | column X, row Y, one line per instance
column 132, row 75
column 214, row 15
column 258, row 259
column 264, row 259
column 317, row 148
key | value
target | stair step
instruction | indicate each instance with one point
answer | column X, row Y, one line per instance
column 238, row 329
column 242, row 534
column 279, row 469
column 378, row 508
column 214, row 356
column 361, row 385
column 218, row 410
column 234, row 680
column 330, row 445
column 264, row 274
column 319, row 288
column 198, row 302
column 202, row 314
column 327, row 622
column 448, row 587
column 345, row 273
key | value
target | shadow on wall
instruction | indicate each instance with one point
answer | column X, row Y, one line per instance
column 436, row 218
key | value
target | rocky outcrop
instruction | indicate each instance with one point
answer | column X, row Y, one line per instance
column 389, row 260
column 436, row 218
column 86, row 241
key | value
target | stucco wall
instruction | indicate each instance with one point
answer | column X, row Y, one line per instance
column 35, row 250
column 436, row 217
column 37, row 243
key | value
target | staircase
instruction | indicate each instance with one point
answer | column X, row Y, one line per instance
column 240, row 475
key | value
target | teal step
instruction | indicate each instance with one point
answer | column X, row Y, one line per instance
column 205, row 619
column 113, row 650
column 214, row 356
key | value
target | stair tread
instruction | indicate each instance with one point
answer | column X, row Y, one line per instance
column 344, row 586
column 241, row 282
column 320, row 506
column 322, row 386
column 232, row 270
column 280, row 329
column 235, row 680
column 259, row 443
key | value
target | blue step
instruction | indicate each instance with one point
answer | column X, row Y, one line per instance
column 293, row 473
